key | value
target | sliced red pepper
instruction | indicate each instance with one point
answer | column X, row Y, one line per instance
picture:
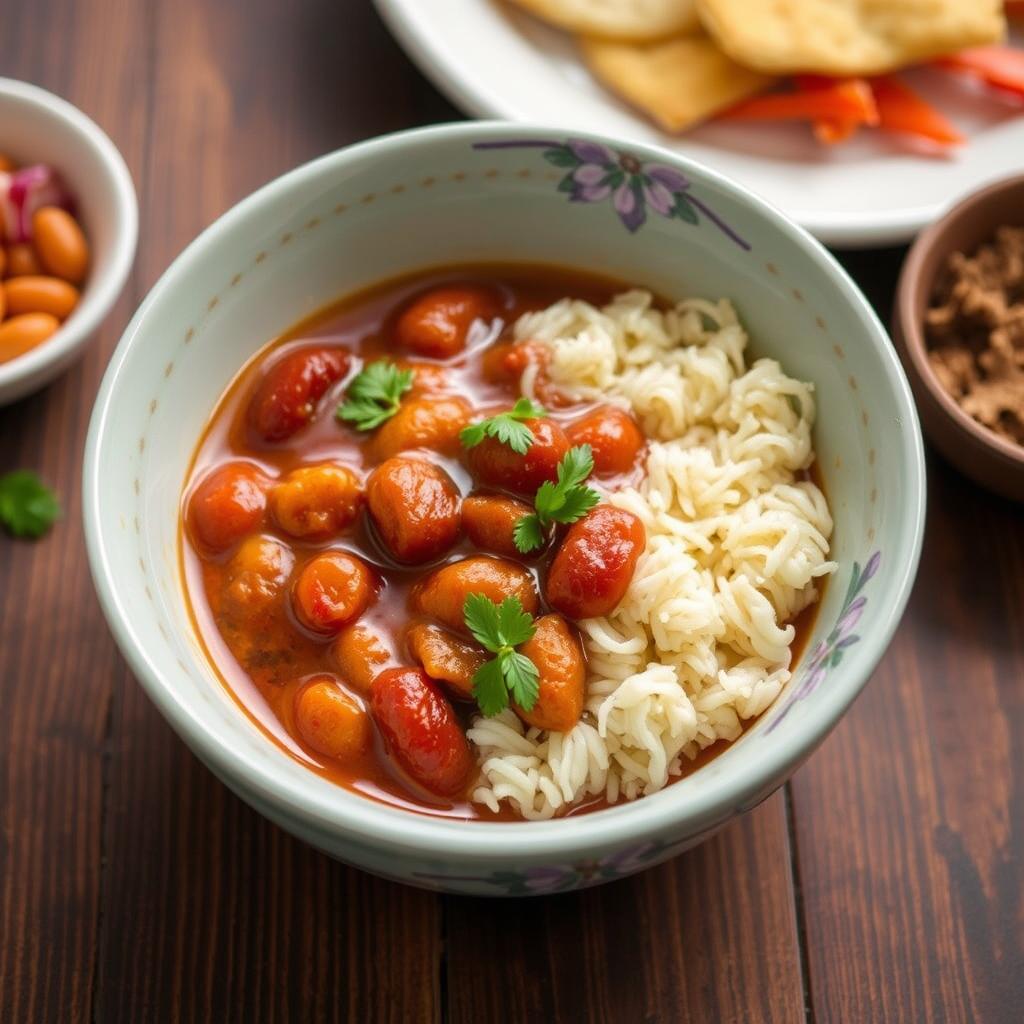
column 999, row 66
column 834, row 130
column 901, row 110
column 839, row 100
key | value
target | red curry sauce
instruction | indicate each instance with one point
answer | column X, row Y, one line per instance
column 270, row 658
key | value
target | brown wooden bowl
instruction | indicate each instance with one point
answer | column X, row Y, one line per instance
column 975, row 450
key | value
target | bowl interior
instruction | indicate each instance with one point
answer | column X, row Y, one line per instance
column 436, row 197
column 37, row 127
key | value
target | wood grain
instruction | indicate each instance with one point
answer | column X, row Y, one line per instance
column 710, row 936
column 58, row 666
column 910, row 821
column 134, row 887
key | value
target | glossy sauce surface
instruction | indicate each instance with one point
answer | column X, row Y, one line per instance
column 265, row 672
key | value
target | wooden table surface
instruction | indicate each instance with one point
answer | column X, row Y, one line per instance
column 885, row 883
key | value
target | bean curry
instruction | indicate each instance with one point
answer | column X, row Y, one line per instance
column 369, row 499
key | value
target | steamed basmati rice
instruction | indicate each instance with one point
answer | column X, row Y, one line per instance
column 735, row 543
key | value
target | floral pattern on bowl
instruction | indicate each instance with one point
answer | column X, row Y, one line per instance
column 547, row 880
column 828, row 653
column 595, row 172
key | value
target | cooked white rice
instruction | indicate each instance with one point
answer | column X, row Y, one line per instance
column 734, row 544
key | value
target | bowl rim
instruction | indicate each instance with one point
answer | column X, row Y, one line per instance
column 346, row 815
column 909, row 289
column 84, row 322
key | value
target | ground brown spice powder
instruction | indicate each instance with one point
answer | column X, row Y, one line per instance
column 975, row 332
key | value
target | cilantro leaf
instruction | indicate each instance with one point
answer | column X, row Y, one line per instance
column 563, row 502
column 515, row 626
column 521, row 678
column 482, row 620
column 528, row 534
column 506, row 427
column 375, row 394
column 501, row 628
column 577, row 503
column 28, row 508
column 576, row 465
column 489, row 688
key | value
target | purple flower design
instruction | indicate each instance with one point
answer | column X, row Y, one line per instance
column 828, row 653
column 633, row 186
column 547, row 880
column 595, row 173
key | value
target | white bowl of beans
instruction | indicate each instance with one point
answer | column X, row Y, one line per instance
column 232, row 598
column 68, row 231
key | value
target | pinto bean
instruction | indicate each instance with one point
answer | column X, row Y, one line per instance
column 421, row 730
column 423, row 423
column 22, row 260
column 504, row 362
column 60, row 243
column 256, row 578
column 331, row 721
column 428, row 378
column 361, row 652
column 446, row 657
column 415, row 507
column 333, row 589
column 490, row 521
column 594, row 566
column 40, row 294
column 229, row 503
column 316, row 501
column 496, row 465
column 21, row 334
column 555, row 649
column 443, row 593
column 285, row 400
column 437, row 323
column 614, row 438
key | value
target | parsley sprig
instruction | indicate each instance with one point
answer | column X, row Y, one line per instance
column 506, row 427
column 374, row 395
column 561, row 502
column 501, row 628
column 28, row 508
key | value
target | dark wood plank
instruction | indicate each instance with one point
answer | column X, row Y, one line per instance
column 211, row 913
column 58, row 667
column 709, row 936
column 910, row 820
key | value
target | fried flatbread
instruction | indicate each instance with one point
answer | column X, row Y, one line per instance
column 847, row 37
column 617, row 19
column 677, row 82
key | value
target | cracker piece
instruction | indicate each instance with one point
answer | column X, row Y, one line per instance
column 848, row 37
column 618, row 19
column 677, row 82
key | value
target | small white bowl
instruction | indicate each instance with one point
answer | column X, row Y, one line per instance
column 483, row 192
column 38, row 127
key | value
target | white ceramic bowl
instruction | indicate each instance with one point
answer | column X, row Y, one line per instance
column 490, row 191
column 38, row 127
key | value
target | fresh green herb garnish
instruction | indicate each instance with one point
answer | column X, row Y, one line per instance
column 374, row 395
column 506, row 427
column 28, row 508
column 561, row 502
column 501, row 628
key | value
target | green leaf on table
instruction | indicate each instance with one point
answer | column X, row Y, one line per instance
column 28, row 508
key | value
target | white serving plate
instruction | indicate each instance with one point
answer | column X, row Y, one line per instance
column 493, row 61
